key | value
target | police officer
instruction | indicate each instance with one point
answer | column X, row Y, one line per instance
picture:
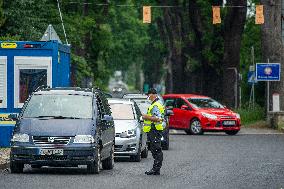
column 153, row 126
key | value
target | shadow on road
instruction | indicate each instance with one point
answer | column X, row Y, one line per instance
column 81, row 170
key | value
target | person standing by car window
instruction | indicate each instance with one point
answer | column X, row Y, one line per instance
column 153, row 126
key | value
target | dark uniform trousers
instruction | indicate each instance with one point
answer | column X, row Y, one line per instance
column 154, row 138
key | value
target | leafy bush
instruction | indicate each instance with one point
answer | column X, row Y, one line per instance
column 250, row 115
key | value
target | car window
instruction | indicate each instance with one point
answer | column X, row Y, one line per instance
column 180, row 102
column 76, row 106
column 170, row 102
column 118, row 114
column 204, row 103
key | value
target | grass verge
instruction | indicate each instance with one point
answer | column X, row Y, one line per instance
column 251, row 116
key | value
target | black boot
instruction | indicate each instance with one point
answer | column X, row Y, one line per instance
column 152, row 172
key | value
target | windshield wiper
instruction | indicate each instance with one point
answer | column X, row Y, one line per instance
column 58, row 117
column 65, row 117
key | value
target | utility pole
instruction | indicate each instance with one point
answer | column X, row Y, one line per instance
column 252, row 69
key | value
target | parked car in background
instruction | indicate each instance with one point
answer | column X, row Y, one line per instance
column 64, row 127
column 143, row 104
column 197, row 114
column 130, row 140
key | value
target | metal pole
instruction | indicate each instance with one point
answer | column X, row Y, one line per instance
column 62, row 22
column 253, row 96
column 253, row 63
column 268, row 96
column 268, row 93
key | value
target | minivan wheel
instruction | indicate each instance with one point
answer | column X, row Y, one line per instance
column 231, row 132
column 108, row 163
column 195, row 127
column 137, row 157
column 16, row 167
column 144, row 153
column 94, row 167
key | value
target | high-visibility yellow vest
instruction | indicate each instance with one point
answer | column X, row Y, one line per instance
column 158, row 125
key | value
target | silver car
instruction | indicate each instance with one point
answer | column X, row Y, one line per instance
column 130, row 140
column 143, row 104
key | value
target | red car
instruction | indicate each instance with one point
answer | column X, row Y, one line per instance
column 196, row 114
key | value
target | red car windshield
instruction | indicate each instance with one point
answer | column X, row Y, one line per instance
column 204, row 103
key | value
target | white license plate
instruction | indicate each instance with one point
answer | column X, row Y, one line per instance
column 229, row 123
column 49, row 152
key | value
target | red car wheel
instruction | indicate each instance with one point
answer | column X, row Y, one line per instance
column 195, row 127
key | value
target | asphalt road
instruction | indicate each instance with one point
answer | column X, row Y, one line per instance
column 247, row 160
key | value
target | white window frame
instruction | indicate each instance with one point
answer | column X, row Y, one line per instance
column 26, row 62
column 3, row 61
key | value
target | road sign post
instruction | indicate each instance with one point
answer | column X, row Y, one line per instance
column 268, row 72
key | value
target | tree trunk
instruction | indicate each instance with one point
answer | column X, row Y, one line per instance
column 272, row 45
column 234, row 26
column 175, row 61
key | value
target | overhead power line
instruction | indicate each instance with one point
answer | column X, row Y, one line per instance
column 162, row 6
column 62, row 22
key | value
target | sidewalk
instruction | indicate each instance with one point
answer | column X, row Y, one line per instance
column 4, row 158
column 260, row 127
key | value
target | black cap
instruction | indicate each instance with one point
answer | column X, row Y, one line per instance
column 151, row 91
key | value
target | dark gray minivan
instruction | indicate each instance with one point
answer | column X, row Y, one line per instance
column 64, row 127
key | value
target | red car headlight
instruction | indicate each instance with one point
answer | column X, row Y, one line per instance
column 209, row 116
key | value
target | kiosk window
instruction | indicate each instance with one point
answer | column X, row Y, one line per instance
column 3, row 83
column 30, row 80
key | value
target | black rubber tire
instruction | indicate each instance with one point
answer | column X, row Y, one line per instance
column 192, row 127
column 231, row 132
column 108, row 163
column 137, row 157
column 187, row 131
column 16, row 167
column 36, row 166
column 144, row 153
column 94, row 167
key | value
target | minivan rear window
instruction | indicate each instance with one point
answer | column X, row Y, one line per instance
column 66, row 106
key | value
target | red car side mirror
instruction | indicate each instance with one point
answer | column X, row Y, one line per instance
column 184, row 107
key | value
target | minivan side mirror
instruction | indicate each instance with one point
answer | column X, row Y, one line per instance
column 107, row 118
column 184, row 107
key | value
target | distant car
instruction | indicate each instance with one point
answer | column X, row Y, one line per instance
column 130, row 140
column 140, row 96
column 143, row 104
column 64, row 127
column 197, row 114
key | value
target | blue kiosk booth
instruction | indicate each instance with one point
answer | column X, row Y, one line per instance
column 24, row 66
